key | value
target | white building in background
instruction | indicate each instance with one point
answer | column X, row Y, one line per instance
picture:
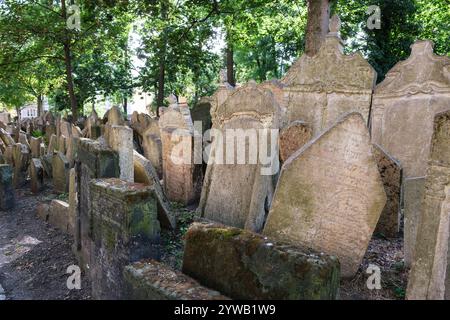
column 30, row 110
column 140, row 101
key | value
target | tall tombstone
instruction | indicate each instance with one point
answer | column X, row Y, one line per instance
column 405, row 103
column 21, row 159
column 182, row 174
column 121, row 141
column 152, row 145
column 60, row 172
column 73, row 200
column 427, row 279
column 93, row 160
column 391, row 175
column 37, row 175
column 125, row 229
column 320, row 89
column 330, row 195
column 293, row 137
column 52, row 144
column 7, row 199
column 243, row 161
column 35, row 145
column 413, row 190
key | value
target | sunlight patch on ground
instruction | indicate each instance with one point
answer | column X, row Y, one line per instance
column 16, row 249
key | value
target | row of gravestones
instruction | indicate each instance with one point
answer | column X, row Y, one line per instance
column 338, row 178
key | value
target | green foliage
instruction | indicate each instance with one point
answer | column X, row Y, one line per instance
column 178, row 43
column 37, row 134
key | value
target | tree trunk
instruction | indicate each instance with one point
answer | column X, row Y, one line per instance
column 68, row 63
column 162, row 62
column 18, row 114
column 125, row 106
column 317, row 26
column 230, row 65
column 40, row 105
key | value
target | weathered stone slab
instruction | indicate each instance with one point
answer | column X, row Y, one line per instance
column 60, row 172
column 152, row 280
column 146, row 174
column 245, row 265
column 152, row 146
column 391, row 175
column 37, row 175
column 94, row 160
column 21, row 159
column 293, row 137
column 322, row 88
column 73, row 200
column 58, row 216
column 125, row 229
column 52, row 145
column 405, row 103
column 330, row 194
column 7, row 199
column 427, row 279
column 236, row 192
column 182, row 173
column 413, row 191
column 35, row 146
column 121, row 141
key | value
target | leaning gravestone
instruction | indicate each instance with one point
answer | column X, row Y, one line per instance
column 35, row 145
column 321, row 89
column 405, row 103
column 238, row 185
column 427, row 279
column 37, row 175
column 293, row 137
column 7, row 200
column 182, row 173
column 330, row 195
column 391, row 175
column 60, row 172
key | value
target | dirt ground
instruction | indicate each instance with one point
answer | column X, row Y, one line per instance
column 34, row 257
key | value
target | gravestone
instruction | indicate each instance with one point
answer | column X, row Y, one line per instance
column 413, row 190
column 152, row 146
column 124, row 229
column 37, row 175
column 35, row 146
column 330, row 195
column 145, row 173
column 21, row 159
column 427, row 279
column 182, row 174
column 405, row 103
column 293, row 137
column 52, row 145
column 60, row 172
column 238, row 182
column 121, row 141
column 391, row 175
column 247, row 266
column 322, row 88
column 7, row 199
column 93, row 160
column 73, row 200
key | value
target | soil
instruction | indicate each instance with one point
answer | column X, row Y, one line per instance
column 34, row 257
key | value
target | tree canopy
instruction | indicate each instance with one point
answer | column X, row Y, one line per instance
column 183, row 44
